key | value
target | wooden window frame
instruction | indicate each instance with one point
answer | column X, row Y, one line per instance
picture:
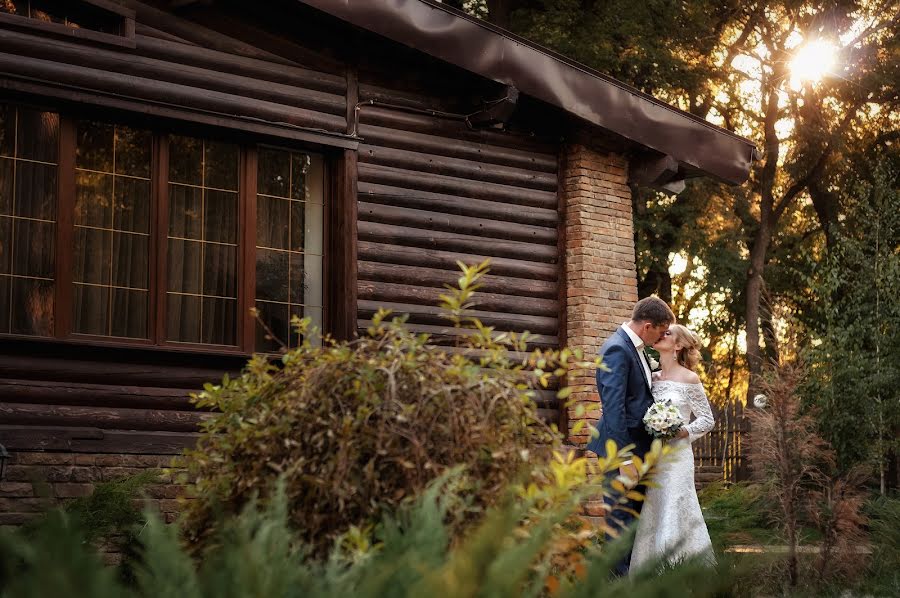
column 126, row 39
column 337, row 267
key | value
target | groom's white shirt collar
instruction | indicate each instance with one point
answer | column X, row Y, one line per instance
column 639, row 345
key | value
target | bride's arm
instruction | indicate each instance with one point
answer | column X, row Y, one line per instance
column 703, row 416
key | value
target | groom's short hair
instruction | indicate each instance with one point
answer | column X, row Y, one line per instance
column 654, row 310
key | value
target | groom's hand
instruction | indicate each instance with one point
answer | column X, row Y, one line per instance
column 629, row 471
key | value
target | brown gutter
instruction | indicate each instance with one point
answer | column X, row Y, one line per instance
column 499, row 55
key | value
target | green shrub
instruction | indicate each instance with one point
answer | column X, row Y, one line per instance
column 258, row 553
column 357, row 427
column 737, row 513
column 883, row 578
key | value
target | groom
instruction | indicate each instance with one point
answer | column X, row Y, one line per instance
column 625, row 396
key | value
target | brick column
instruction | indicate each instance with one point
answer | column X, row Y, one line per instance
column 601, row 282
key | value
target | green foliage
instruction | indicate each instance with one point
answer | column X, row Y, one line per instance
column 362, row 426
column 854, row 381
column 110, row 508
column 258, row 553
column 883, row 577
column 737, row 514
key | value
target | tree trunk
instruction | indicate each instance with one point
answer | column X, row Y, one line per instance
column 753, row 300
column 499, row 12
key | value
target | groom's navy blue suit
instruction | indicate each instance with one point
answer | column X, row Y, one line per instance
column 625, row 397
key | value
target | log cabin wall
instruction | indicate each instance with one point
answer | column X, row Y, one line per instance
column 431, row 191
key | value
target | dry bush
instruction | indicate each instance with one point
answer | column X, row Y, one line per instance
column 357, row 428
column 799, row 468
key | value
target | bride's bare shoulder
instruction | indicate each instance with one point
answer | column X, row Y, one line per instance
column 688, row 377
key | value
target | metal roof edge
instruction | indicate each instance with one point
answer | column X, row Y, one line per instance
column 499, row 55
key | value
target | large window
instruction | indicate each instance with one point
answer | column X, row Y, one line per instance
column 124, row 234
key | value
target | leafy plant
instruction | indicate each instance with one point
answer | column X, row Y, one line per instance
column 259, row 553
column 358, row 427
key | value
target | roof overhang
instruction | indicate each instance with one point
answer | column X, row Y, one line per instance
column 501, row 56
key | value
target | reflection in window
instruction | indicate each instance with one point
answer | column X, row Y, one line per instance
column 202, row 247
column 289, row 250
column 112, row 230
column 28, row 189
column 70, row 14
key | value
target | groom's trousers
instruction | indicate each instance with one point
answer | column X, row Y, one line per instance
column 621, row 519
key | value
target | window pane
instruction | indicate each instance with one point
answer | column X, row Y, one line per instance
column 131, row 210
column 133, row 149
column 95, row 143
column 93, row 199
column 93, row 256
column 277, row 317
column 221, row 165
column 112, row 226
column 91, row 309
column 7, row 179
column 203, row 207
column 273, row 217
column 129, row 313
column 220, row 217
column 184, row 266
column 31, row 306
column 28, row 171
column 37, row 135
column 272, row 275
column 33, row 251
column 219, row 321
column 183, row 318
column 130, row 253
column 289, row 218
column 35, row 195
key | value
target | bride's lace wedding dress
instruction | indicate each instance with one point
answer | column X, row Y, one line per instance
column 671, row 523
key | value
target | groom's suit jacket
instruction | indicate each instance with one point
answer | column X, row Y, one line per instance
column 624, row 395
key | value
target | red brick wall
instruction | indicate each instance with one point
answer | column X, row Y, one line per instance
column 35, row 480
column 601, row 283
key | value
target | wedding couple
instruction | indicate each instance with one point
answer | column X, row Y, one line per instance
column 671, row 524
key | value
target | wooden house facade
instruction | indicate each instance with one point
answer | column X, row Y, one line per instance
column 167, row 166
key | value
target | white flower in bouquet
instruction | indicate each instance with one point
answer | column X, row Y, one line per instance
column 663, row 420
column 654, row 365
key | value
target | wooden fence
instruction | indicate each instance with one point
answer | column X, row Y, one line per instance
column 724, row 446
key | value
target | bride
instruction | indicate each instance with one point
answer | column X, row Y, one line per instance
column 671, row 523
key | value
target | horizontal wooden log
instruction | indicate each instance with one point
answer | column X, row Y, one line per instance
column 451, row 204
column 194, row 98
column 522, row 287
column 128, row 374
column 214, row 60
column 448, row 334
column 24, row 414
column 411, row 179
column 391, row 118
column 431, row 314
column 453, row 223
column 198, row 34
column 419, row 160
column 143, row 31
column 447, row 260
column 398, row 293
column 457, row 243
column 166, row 71
column 94, row 395
column 457, row 148
column 95, row 440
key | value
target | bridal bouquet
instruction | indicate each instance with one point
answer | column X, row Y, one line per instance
column 663, row 420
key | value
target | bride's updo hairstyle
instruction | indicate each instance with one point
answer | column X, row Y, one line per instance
column 689, row 356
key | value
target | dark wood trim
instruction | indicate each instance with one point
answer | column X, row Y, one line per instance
column 95, row 440
column 80, row 34
column 65, row 229
column 160, row 236
column 247, row 250
column 342, row 242
column 280, row 130
column 561, row 279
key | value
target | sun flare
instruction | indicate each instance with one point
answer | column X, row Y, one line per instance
column 812, row 61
